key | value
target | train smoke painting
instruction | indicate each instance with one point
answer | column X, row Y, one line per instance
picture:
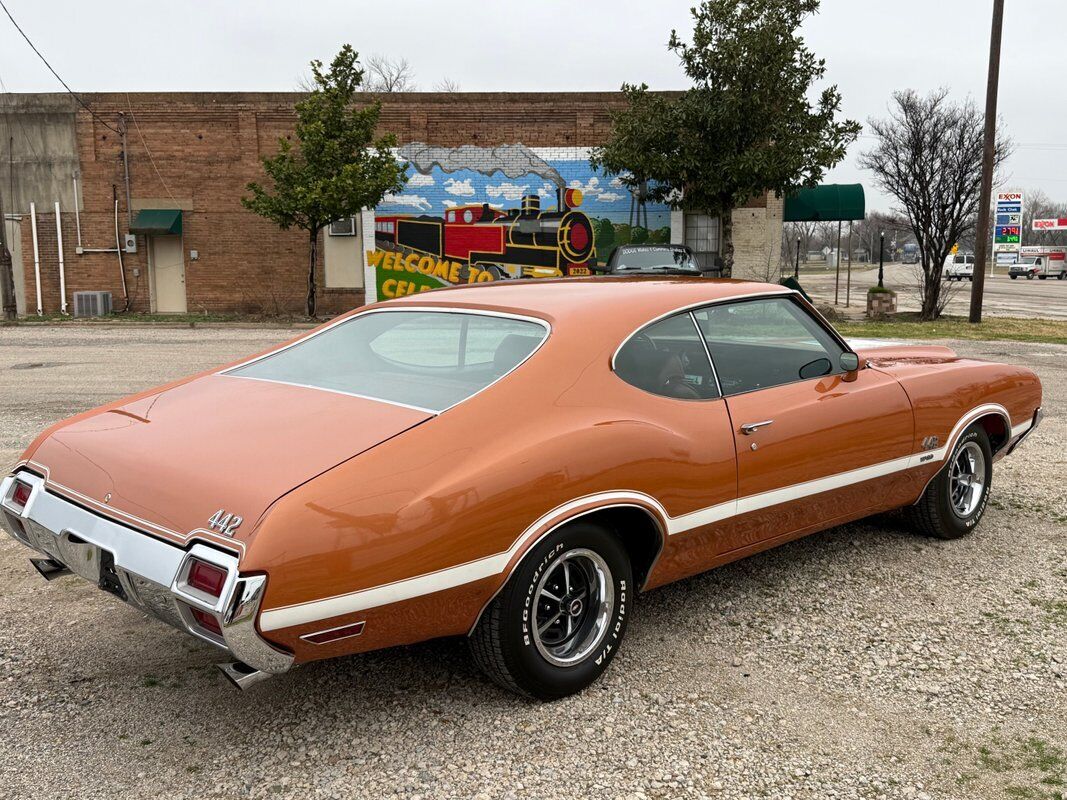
column 471, row 214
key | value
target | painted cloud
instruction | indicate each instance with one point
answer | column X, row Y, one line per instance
column 507, row 190
column 459, row 188
column 409, row 200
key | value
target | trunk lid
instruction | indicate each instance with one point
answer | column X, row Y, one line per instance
column 219, row 442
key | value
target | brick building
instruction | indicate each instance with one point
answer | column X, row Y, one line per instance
column 157, row 218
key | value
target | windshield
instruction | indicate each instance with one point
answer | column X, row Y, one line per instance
column 654, row 258
column 1029, row 261
column 427, row 359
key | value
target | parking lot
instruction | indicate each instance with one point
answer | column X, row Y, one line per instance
column 1003, row 297
column 863, row 662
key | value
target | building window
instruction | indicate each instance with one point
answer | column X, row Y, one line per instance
column 702, row 237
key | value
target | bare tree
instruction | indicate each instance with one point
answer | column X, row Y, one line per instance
column 929, row 157
column 867, row 232
column 385, row 74
column 446, row 85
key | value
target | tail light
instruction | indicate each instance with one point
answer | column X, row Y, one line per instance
column 206, row 621
column 21, row 496
column 207, row 578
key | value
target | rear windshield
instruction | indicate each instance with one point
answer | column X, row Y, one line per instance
column 650, row 258
column 426, row 359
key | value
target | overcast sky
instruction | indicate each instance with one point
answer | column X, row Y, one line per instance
column 871, row 49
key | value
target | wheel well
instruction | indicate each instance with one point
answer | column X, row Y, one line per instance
column 639, row 533
column 996, row 429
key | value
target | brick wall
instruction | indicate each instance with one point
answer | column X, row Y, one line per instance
column 203, row 149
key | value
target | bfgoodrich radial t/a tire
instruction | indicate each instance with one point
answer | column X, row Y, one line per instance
column 955, row 501
column 560, row 619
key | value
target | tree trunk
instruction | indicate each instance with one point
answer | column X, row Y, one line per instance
column 726, row 245
column 312, row 263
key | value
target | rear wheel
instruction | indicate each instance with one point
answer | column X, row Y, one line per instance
column 955, row 500
column 1061, row 276
column 559, row 620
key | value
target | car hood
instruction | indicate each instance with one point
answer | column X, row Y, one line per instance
column 174, row 458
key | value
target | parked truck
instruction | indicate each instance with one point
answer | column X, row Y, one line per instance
column 1040, row 261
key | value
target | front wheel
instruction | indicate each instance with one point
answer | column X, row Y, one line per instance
column 1013, row 277
column 1029, row 276
column 955, row 500
column 559, row 620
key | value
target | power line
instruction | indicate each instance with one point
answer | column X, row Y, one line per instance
column 129, row 104
column 70, row 91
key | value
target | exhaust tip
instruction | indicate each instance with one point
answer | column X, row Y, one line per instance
column 49, row 569
column 241, row 675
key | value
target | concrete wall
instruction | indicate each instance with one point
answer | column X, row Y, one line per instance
column 38, row 154
column 757, row 237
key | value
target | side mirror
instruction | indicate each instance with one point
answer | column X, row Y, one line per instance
column 850, row 364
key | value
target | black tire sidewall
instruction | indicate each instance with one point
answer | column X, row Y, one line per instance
column 952, row 524
column 528, row 667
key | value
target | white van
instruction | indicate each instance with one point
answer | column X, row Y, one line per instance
column 959, row 267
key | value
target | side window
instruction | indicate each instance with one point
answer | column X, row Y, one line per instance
column 668, row 358
column 756, row 344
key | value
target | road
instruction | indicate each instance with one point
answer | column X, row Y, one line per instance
column 862, row 662
column 1003, row 296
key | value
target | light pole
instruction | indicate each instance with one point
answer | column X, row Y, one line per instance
column 796, row 269
column 881, row 259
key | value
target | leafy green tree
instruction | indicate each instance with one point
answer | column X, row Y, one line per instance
column 336, row 167
column 622, row 234
column 605, row 238
column 639, row 235
column 746, row 125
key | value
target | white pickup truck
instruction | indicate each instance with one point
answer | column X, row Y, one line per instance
column 1040, row 262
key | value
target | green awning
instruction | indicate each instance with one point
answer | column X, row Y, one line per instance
column 829, row 203
column 157, row 221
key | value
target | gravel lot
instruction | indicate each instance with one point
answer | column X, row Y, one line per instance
column 861, row 662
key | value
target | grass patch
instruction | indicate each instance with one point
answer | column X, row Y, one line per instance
column 1041, row 765
column 908, row 326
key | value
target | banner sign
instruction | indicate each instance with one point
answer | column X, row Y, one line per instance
column 1050, row 224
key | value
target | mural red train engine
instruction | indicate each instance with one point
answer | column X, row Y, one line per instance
column 521, row 242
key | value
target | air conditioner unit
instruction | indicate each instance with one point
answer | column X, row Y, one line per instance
column 92, row 304
column 344, row 227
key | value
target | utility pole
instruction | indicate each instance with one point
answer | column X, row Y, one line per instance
column 796, row 269
column 7, row 274
column 981, row 246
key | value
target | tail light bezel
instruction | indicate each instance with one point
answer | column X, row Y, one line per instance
column 196, row 597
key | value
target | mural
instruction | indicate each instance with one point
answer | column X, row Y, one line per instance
column 471, row 214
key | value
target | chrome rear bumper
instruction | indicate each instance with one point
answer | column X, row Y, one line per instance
column 145, row 572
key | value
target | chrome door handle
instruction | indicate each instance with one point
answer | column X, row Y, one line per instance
column 751, row 427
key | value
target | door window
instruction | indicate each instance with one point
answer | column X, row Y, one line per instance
column 755, row 344
column 668, row 358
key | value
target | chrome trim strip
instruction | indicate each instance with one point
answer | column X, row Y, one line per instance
column 398, row 309
column 489, row 566
column 707, row 350
column 358, row 625
column 332, row 391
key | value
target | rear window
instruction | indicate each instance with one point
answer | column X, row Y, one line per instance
column 426, row 359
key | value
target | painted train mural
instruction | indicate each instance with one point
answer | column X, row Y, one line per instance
column 470, row 214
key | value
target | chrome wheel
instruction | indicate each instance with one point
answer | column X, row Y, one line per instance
column 967, row 479
column 573, row 603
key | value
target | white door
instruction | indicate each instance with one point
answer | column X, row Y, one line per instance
column 168, row 273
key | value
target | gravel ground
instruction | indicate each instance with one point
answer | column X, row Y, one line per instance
column 862, row 662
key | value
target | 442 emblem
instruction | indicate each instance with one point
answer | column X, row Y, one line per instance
column 224, row 523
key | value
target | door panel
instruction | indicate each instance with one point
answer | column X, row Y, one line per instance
column 820, row 429
column 168, row 272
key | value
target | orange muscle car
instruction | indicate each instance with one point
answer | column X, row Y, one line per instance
column 511, row 462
